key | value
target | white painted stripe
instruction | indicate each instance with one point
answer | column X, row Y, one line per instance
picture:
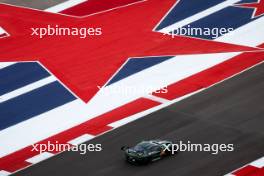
column 258, row 163
column 27, row 88
column 4, row 173
column 40, row 157
column 199, row 15
column 149, row 111
column 6, row 64
column 250, row 34
column 155, row 98
column 64, row 5
column 2, row 31
column 81, row 139
column 229, row 175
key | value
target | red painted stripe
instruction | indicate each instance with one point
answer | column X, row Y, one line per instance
column 94, row 126
column 212, row 75
column 246, row 171
column 260, row 172
column 17, row 166
column 93, row 6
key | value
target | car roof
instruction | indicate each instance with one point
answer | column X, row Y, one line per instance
column 153, row 142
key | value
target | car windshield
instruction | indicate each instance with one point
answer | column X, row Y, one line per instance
column 143, row 146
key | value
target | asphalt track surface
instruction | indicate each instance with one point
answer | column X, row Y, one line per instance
column 230, row 112
column 37, row 4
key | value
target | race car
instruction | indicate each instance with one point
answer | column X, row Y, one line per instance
column 147, row 151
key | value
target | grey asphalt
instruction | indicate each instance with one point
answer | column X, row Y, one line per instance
column 230, row 112
column 37, row 4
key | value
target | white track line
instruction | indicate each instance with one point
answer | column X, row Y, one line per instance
column 4, row 173
column 5, row 64
column 2, row 31
column 27, row 88
column 239, row 36
column 81, row 139
column 258, row 163
column 149, row 111
column 157, row 99
column 40, row 157
column 64, row 5
column 198, row 16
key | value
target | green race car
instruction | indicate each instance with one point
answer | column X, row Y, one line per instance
column 147, row 151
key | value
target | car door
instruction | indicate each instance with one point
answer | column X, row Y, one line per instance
column 155, row 152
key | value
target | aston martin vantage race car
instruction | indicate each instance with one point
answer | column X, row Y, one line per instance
column 147, row 151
